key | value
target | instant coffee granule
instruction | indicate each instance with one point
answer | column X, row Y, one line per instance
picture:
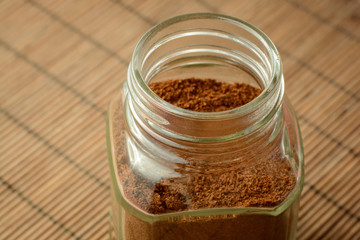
column 264, row 184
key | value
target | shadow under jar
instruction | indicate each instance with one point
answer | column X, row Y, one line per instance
column 179, row 174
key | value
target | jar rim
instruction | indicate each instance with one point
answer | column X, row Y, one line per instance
column 267, row 92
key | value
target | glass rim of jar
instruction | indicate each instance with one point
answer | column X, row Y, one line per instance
column 270, row 89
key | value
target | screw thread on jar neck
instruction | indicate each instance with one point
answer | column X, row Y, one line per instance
column 204, row 45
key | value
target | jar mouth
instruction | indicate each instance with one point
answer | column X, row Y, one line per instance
column 268, row 91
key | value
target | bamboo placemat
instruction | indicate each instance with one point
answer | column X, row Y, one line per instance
column 61, row 61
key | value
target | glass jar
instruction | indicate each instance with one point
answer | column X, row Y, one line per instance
column 181, row 174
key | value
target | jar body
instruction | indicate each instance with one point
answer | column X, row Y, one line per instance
column 181, row 175
column 130, row 221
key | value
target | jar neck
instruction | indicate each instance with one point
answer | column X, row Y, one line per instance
column 204, row 46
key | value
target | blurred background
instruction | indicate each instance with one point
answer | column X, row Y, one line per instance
column 61, row 61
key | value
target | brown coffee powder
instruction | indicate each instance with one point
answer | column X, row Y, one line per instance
column 261, row 185
column 204, row 95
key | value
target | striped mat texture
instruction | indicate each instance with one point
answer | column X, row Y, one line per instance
column 61, row 61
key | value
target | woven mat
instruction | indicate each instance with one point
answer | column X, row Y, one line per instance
column 61, row 61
